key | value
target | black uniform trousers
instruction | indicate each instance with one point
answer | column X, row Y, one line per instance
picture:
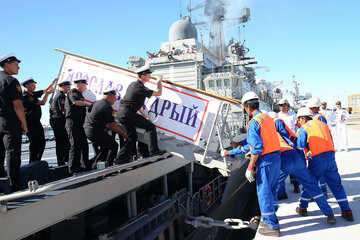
column 79, row 148
column 131, row 121
column 107, row 146
column 37, row 140
column 10, row 148
column 62, row 140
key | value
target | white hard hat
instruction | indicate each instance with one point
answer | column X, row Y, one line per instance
column 249, row 96
column 313, row 102
column 272, row 114
column 304, row 112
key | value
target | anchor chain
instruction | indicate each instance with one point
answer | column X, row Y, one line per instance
column 228, row 223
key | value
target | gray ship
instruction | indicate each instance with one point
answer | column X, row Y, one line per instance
column 190, row 193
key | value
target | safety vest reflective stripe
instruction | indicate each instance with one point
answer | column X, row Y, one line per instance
column 268, row 133
column 318, row 137
column 284, row 146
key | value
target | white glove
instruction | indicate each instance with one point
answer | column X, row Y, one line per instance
column 250, row 173
column 224, row 153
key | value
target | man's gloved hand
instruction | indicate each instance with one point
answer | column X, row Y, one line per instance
column 224, row 153
column 250, row 173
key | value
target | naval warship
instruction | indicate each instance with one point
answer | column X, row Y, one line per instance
column 189, row 193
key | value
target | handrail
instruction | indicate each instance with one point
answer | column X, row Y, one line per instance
column 77, row 179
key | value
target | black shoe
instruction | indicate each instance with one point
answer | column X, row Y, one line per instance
column 348, row 215
column 282, row 197
column 302, row 211
column 158, row 153
column 269, row 232
column 326, row 196
column 331, row 219
column 297, row 189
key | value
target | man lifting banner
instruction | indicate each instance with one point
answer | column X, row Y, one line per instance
column 182, row 112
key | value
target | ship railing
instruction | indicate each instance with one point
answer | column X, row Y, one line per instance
column 208, row 195
column 35, row 189
column 226, row 125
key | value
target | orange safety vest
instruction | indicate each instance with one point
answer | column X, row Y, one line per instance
column 318, row 137
column 284, row 146
column 291, row 133
column 316, row 117
column 268, row 133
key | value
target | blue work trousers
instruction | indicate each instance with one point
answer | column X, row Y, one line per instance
column 294, row 163
column 267, row 178
column 324, row 164
column 323, row 185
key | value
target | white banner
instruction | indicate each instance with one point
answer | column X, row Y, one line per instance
column 185, row 114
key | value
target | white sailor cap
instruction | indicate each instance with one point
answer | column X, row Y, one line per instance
column 64, row 83
column 10, row 57
column 29, row 80
column 80, row 80
column 110, row 91
column 144, row 69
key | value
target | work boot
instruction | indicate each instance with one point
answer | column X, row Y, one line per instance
column 302, row 211
column 296, row 189
column 269, row 232
column 348, row 215
column 331, row 219
column 263, row 224
column 282, row 197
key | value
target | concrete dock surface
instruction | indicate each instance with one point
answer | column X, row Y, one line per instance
column 314, row 226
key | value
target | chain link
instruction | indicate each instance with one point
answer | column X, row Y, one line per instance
column 228, row 223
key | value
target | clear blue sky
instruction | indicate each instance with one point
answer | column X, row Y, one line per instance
column 317, row 41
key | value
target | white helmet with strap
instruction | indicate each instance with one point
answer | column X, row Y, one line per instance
column 313, row 102
column 249, row 96
column 304, row 112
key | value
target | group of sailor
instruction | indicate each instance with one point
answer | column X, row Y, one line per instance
column 74, row 120
column 276, row 151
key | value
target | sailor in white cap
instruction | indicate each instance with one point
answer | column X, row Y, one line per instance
column 98, row 117
column 32, row 107
column 57, row 122
column 12, row 119
column 8, row 58
column 128, row 117
column 75, row 110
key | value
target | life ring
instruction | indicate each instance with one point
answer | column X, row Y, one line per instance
column 207, row 195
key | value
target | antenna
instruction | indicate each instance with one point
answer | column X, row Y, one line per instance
column 189, row 8
column 180, row 10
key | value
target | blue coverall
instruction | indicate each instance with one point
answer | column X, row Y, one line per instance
column 267, row 174
column 322, row 183
column 323, row 164
column 293, row 161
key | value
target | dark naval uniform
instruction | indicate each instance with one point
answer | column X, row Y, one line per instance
column 10, row 129
column 128, row 117
column 98, row 116
column 75, row 116
column 36, row 131
column 57, row 122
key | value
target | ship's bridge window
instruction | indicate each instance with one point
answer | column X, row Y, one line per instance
column 235, row 82
column 218, row 83
column 211, row 83
column 226, row 82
